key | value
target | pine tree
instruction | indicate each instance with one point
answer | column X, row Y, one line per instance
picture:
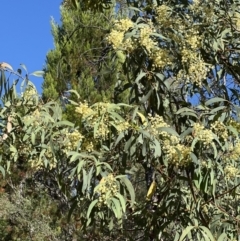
column 81, row 59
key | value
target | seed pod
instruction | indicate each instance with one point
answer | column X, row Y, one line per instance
column 151, row 190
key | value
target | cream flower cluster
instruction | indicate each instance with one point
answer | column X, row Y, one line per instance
column 35, row 163
column 34, row 119
column 197, row 71
column 145, row 39
column 29, row 93
column 84, row 110
column 163, row 13
column 123, row 24
column 235, row 124
column 195, row 68
column 237, row 23
column 116, row 38
column 156, row 122
column 230, row 172
column 106, row 189
column 192, row 40
column 176, row 153
column 24, row 150
column 204, row 135
column 207, row 9
column 233, row 153
column 38, row 163
column 72, row 140
column 117, row 34
column 91, row 117
column 220, row 129
column 209, row 13
column 103, row 130
column 161, row 58
column 186, row 36
column 89, row 147
column 122, row 126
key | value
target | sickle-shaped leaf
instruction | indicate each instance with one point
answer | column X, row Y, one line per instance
column 93, row 203
column 39, row 73
column 185, row 232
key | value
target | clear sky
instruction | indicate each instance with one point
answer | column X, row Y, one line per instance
column 26, row 33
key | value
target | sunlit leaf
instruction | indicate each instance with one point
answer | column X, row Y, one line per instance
column 38, row 73
column 185, row 232
column 91, row 206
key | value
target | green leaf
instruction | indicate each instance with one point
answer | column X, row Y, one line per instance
column 135, row 9
column 214, row 100
column 33, row 138
column 64, row 123
column 195, row 140
column 217, row 109
column 43, row 135
column 79, row 166
column 116, row 208
column 2, row 170
column 122, row 201
column 121, row 56
column 161, row 77
column 8, row 165
column 98, row 121
column 75, row 4
column 169, row 130
column 222, row 237
column 115, row 116
column 233, row 130
column 25, row 137
column 184, row 109
column 90, row 176
column 189, row 114
column 159, row 36
column 91, row 206
column 75, row 92
column 144, row 148
column 176, row 238
column 214, row 187
column 129, row 186
column 185, row 232
column 146, row 97
column 157, row 148
column 107, row 166
column 75, row 156
column 39, row 73
column 24, row 67
column 129, row 143
column 85, row 181
column 215, row 149
column 135, row 111
column 145, row 134
column 14, row 152
column 207, row 232
column 186, row 133
column 140, row 76
column 119, row 138
column 194, row 158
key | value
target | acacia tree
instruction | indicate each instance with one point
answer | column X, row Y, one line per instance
column 181, row 126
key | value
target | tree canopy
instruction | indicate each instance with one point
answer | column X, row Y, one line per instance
column 161, row 163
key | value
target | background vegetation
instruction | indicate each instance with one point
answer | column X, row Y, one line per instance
column 136, row 134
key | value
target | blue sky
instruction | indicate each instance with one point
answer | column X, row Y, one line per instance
column 26, row 33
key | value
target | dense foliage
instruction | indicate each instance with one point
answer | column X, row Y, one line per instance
column 162, row 164
column 79, row 51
